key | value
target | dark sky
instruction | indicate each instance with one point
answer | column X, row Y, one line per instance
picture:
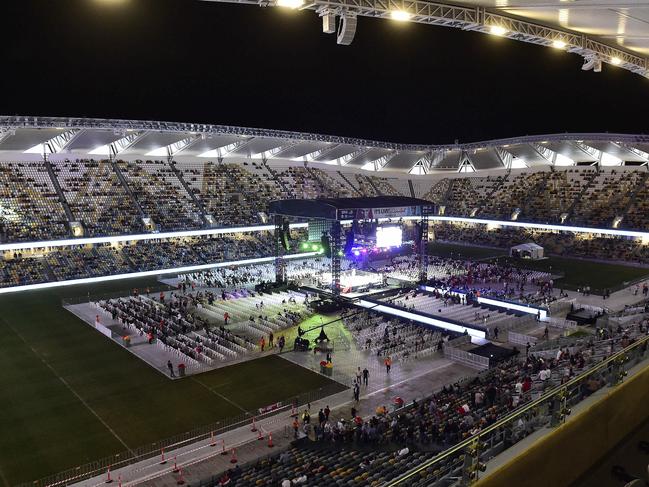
column 194, row 61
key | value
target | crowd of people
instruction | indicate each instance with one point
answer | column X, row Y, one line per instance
column 350, row 448
column 181, row 196
column 610, row 248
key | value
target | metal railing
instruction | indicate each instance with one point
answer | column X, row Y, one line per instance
column 464, row 461
column 151, row 450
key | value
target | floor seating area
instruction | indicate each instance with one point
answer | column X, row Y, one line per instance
column 257, row 316
column 384, row 337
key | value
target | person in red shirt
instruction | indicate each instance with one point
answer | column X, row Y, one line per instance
column 527, row 384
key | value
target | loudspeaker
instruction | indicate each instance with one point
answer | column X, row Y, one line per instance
column 346, row 29
column 326, row 246
column 349, row 242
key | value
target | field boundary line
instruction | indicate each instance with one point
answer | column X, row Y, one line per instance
column 68, row 386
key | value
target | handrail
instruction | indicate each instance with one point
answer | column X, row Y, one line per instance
column 517, row 413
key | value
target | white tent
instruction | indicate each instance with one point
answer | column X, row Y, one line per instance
column 527, row 251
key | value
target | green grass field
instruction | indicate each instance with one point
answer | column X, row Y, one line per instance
column 463, row 251
column 70, row 396
column 578, row 273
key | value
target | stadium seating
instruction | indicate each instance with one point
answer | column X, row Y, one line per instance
column 29, row 206
column 112, row 199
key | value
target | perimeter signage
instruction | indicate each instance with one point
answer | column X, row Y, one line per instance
column 372, row 213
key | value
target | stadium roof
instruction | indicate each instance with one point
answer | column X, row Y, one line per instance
column 601, row 31
column 329, row 208
column 23, row 138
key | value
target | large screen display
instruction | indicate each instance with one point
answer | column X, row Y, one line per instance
column 389, row 236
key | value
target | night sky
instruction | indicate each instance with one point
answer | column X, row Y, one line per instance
column 194, row 61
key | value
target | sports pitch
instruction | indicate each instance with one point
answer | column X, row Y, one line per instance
column 70, row 396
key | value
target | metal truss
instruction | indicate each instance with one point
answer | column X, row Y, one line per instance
column 473, row 18
column 184, row 144
column 428, row 158
column 59, row 143
column 17, row 122
column 126, row 142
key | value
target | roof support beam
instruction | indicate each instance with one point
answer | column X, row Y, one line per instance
column 177, row 147
column 596, row 154
column 635, row 151
column 505, row 158
column 320, row 154
column 465, row 162
column 549, row 155
column 234, row 147
column 347, row 158
column 382, row 161
column 277, row 151
column 126, row 142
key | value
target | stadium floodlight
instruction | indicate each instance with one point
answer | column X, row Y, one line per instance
column 497, row 30
column 400, row 15
column 559, row 44
column 616, row 61
column 290, row 3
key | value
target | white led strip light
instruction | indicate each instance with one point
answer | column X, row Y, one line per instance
column 419, row 318
column 544, row 226
column 493, row 302
column 267, row 228
column 174, row 270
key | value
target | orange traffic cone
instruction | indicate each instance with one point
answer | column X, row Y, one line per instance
column 108, row 479
column 224, row 451
column 270, row 440
column 181, row 479
column 233, row 459
column 176, row 469
column 254, row 426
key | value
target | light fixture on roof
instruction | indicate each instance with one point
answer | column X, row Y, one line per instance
column 400, row 15
column 616, row 61
column 290, row 3
column 559, row 44
column 497, row 30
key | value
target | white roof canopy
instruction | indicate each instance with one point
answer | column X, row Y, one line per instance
column 23, row 137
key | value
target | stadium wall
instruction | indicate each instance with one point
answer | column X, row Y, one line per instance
column 564, row 455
